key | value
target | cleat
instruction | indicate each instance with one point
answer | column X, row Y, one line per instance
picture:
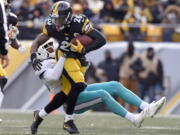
column 36, row 123
column 155, row 107
column 70, row 127
column 139, row 118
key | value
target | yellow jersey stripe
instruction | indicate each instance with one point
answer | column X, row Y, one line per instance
column 85, row 23
column 44, row 30
column 2, row 71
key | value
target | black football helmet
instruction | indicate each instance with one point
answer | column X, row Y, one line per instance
column 61, row 14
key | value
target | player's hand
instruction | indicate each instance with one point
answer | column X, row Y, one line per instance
column 13, row 32
column 22, row 49
column 36, row 63
column 69, row 55
column 78, row 48
column 4, row 60
column 84, row 62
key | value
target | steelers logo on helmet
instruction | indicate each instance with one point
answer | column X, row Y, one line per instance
column 61, row 14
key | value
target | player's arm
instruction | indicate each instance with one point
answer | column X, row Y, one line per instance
column 53, row 74
column 14, row 43
column 40, row 39
column 98, row 38
column 3, row 36
column 13, row 32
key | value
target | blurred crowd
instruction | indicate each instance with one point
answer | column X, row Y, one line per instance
column 129, row 14
column 142, row 73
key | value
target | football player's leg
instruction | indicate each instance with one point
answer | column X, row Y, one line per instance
column 73, row 82
column 3, row 81
column 56, row 102
column 76, row 80
column 74, row 76
column 131, row 98
column 116, row 88
column 90, row 99
column 98, row 96
column 78, row 85
column 1, row 97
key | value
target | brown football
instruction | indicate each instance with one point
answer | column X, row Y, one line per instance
column 84, row 39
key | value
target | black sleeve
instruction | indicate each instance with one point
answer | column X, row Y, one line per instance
column 98, row 40
column 3, row 30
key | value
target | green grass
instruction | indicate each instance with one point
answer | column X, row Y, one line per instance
column 89, row 124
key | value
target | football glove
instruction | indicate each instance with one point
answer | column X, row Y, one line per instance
column 13, row 32
column 69, row 55
column 36, row 63
column 84, row 62
column 78, row 48
column 22, row 49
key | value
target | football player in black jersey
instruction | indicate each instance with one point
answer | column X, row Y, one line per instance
column 64, row 26
column 3, row 50
column 12, row 32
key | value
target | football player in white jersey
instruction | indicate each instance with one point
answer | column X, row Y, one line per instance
column 49, row 71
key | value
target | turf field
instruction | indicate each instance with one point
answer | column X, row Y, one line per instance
column 89, row 124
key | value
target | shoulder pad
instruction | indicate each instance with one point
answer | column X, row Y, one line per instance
column 82, row 24
column 47, row 27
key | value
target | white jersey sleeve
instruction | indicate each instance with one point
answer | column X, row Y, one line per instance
column 53, row 86
column 50, row 73
column 46, row 65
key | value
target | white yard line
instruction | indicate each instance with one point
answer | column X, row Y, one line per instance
column 88, row 113
column 158, row 127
